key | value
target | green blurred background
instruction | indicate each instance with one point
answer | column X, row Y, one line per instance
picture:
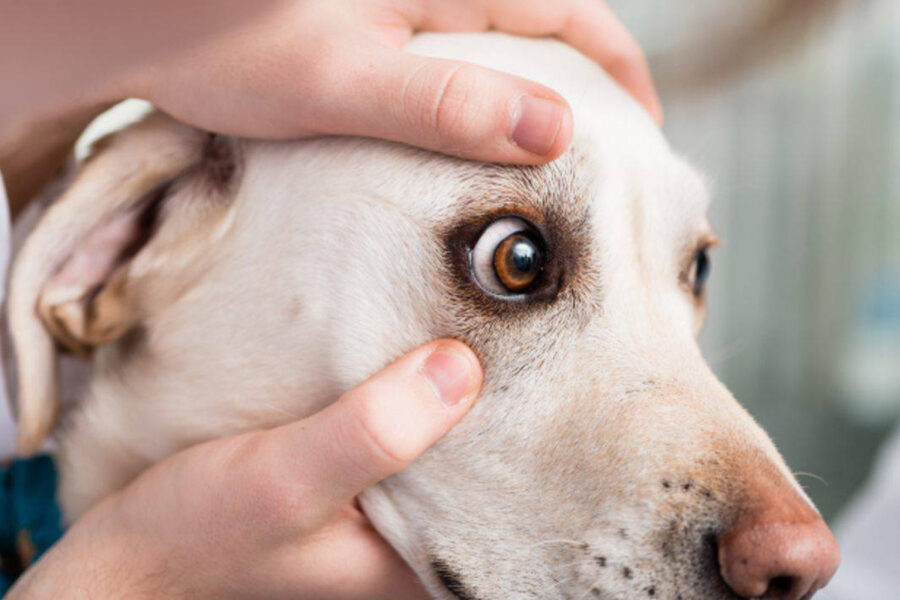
column 793, row 110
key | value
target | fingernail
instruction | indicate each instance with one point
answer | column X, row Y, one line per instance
column 450, row 374
column 536, row 123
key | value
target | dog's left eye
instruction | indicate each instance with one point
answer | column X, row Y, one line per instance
column 508, row 258
column 699, row 271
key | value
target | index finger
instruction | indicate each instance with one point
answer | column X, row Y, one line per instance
column 589, row 26
column 595, row 30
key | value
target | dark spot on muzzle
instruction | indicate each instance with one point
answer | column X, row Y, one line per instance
column 450, row 579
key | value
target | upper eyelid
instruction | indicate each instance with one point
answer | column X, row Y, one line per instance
column 708, row 241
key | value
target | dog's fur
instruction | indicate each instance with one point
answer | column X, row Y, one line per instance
column 224, row 285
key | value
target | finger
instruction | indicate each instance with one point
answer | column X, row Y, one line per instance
column 594, row 29
column 591, row 27
column 452, row 107
column 380, row 427
column 349, row 560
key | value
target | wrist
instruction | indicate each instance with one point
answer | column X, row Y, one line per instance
column 100, row 557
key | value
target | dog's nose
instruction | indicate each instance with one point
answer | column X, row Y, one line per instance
column 779, row 548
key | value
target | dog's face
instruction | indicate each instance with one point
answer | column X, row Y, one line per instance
column 603, row 458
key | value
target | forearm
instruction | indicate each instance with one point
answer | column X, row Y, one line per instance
column 97, row 559
column 54, row 52
column 33, row 151
column 64, row 575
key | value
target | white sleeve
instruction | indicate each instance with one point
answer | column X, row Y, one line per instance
column 869, row 535
column 7, row 428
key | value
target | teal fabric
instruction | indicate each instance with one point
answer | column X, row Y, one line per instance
column 30, row 520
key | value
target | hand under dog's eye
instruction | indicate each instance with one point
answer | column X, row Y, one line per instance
column 699, row 271
column 508, row 258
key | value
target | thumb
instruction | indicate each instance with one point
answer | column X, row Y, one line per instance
column 380, row 427
column 460, row 109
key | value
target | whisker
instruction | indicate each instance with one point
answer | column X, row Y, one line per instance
column 584, row 561
column 811, row 476
column 560, row 541
column 568, row 581
column 589, row 588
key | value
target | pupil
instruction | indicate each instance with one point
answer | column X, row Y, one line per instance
column 702, row 270
column 523, row 256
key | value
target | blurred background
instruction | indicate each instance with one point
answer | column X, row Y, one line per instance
column 793, row 109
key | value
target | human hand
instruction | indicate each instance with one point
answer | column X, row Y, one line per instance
column 269, row 514
column 336, row 67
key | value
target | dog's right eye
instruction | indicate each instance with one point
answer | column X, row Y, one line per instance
column 699, row 272
column 508, row 258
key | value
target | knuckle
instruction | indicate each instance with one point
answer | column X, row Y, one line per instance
column 439, row 101
column 453, row 97
column 553, row 16
column 624, row 57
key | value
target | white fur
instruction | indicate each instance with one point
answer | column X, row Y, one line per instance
column 328, row 261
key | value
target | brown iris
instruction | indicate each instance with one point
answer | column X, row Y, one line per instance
column 517, row 262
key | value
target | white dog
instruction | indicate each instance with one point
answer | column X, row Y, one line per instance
column 223, row 285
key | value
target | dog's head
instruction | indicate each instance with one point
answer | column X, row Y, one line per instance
column 226, row 284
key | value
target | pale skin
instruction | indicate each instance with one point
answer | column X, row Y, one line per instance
column 272, row 514
column 291, row 68
column 269, row 514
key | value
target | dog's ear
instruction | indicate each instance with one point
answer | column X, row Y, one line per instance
column 141, row 209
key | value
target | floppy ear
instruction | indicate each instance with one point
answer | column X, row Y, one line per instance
column 138, row 207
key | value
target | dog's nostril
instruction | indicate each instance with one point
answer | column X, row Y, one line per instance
column 780, row 586
column 711, row 544
column 777, row 556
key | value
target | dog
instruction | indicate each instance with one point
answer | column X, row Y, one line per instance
column 221, row 285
